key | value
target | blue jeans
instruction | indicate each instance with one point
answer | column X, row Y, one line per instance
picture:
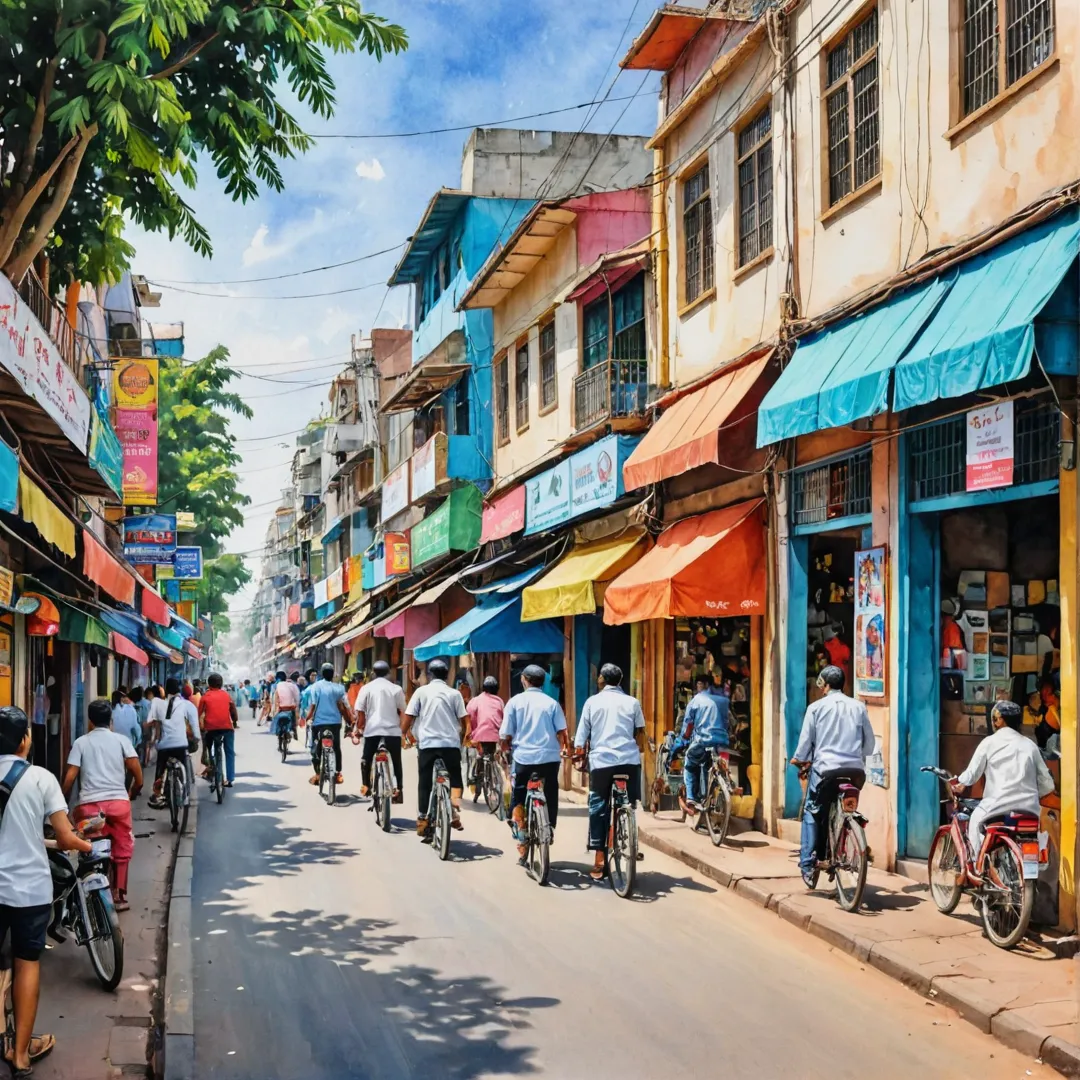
column 694, row 767
column 814, row 811
column 228, row 738
column 289, row 719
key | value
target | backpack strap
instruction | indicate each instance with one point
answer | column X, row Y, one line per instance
column 7, row 785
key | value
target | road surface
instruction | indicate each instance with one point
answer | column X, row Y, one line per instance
column 325, row 949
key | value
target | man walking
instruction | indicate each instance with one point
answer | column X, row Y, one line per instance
column 380, row 710
column 326, row 709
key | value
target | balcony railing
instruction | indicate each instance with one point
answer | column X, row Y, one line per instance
column 52, row 318
column 612, row 389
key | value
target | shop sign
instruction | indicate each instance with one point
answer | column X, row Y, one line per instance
column 431, row 538
column 150, row 538
column 28, row 354
column 185, row 521
column 594, row 476
column 7, row 588
column 135, row 383
column 137, row 430
column 990, row 446
column 504, row 516
column 188, row 563
column 547, row 499
column 189, row 591
column 171, row 590
column 429, row 465
column 871, row 624
column 334, row 583
column 106, row 453
column 320, row 594
column 164, row 572
column 398, row 560
column 395, row 491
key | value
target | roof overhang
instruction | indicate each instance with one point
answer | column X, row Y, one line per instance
column 422, row 385
column 671, row 28
column 432, row 230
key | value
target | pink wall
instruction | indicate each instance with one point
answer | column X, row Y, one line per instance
column 610, row 221
column 716, row 37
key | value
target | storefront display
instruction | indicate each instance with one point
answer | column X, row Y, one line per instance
column 830, row 610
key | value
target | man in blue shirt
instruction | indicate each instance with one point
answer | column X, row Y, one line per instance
column 534, row 725
column 326, row 708
column 705, row 728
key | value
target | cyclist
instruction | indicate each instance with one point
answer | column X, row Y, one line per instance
column 172, row 718
column 705, row 728
column 356, row 684
column 437, row 712
column 380, row 709
column 218, row 718
column 284, row 703
column 836, row 740
column 534, row 725
column 311, row 677
column 485, row 718
column 326, row 709
column 612, row 725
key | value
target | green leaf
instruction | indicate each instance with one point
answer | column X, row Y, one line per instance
column 73, row 116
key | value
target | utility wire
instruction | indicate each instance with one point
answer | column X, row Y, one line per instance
column 288, row 296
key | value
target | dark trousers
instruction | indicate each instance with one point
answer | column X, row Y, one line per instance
column 820, row 792
column 316, row 744
column 600, row 784
column 549, row 773
column 451, row 758
column 371, row 748
column 178, row 752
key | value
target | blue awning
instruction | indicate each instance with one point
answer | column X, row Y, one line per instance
column 494, row 625
column 507, row 586
column 970, row 329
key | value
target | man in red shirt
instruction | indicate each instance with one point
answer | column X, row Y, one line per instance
column 218, row 719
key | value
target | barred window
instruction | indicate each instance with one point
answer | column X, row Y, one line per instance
column 697, row 235
column 1002, row 41
column 521, row 385
column 755, row 187
column 852, row 110
column 548, row 374
column 502, row 397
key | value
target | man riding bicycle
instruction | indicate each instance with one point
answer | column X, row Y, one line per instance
column 380, row 710
column 218, row 719
column 173, row 718
column 705, row 728
column 285, row 703
column 485, row 718
column 835, row 742
column 327, row 710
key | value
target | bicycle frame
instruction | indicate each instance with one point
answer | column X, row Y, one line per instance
column 620, row 797
column 440, row 778
column 1021, row 833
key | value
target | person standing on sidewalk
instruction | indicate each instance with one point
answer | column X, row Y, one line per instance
column 107, row 767
column 218, row 719
column 30, row 797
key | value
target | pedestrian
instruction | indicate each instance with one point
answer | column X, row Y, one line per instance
column 218, row 719
column 105, row 764
column 125, row 717
column 30, row 797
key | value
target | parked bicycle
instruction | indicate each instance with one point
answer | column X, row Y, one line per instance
column 715, row 804
column 328, row 767
column 489, row 780
column 1001, row 876
column 177, row 793
column 440, row 811
column 538, row 833
column 383, row 784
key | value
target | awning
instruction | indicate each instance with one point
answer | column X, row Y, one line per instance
column 353, row 628
column 688, row 434
column 154, row 608
column 510, row 585
column 709, row 565
column 504, row 516
column 575, row 586
column 168, row 637
column 101, row 568
column 422, row 385
column 610, row 275
column 37, row 508
column 77, row 626
column 313, row 643
column 194, row 650
column 664, row 38
column 123, row 646
column 493, row 626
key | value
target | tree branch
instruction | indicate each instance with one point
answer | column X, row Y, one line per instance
column 37, row 127
column 197, row 48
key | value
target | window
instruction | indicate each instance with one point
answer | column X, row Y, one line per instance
column 697, row 235
column 628, row 316
column 835, row 489
column 851, row 110
column 1002, row 41
column 461, row 406
column 595, row 326
column 755, row 187
column 549, row 390
column 521, row 385
column 502, row 397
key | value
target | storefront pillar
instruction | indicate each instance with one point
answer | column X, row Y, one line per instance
column 1070, row 568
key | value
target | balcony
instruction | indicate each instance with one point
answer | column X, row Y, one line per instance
column 612, row 390
column 52, row 318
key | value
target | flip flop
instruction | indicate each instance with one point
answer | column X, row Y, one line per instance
column 597, row 873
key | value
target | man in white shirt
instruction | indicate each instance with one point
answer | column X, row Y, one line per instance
column 1016, row 775
column 437, row 712
column 613, row 726
column 172, row 718
column 380, row 710
column 26, row 888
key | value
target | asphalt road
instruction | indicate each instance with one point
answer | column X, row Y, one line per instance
column 325, row 949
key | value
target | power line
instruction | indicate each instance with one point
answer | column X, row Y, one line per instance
column 288, row 296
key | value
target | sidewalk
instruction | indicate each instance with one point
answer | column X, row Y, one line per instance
column 1027, row 997
column 103, row 1036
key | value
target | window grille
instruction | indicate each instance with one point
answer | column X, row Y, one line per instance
column 698, row 269
column 755, row 187
column 836, row 489
column 502, row 397
column 548, row 371
column 521, row 385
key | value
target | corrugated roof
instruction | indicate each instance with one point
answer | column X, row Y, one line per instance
column 436, row 221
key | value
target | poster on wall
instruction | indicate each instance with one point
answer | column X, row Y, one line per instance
column 990, row 447
column 870, row 623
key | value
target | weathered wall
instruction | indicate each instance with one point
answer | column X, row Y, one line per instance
column 610, row 221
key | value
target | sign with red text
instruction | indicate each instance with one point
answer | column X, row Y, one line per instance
column 990, row 446
column 137, row 431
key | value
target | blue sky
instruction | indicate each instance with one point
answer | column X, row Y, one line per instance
column 470, row 62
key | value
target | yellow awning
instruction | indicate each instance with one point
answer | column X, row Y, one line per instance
column 575, row 586
column 353, row 628
column 49, row 520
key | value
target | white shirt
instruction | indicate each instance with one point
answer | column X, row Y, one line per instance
column 1016, row 775
column 379, row 701
column 100, row 755
column 25, row 879
column 439, row 710
column 607, row 723
column 836, row 734
column 173, row 729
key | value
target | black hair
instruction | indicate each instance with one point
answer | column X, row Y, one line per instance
column 294, row 676
column 14, row 725
column 438, row 669
column 311, row 671
column 327, row 672
column 117, row 697
column 214, row 681
column 611, row 674
column 99, row 712
column 380, row 668
column 136, row 694
column 491, row 685
column 280, row 676
column 172, row 686
column 1011, row 713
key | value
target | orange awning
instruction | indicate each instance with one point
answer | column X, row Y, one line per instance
column 688, row 434
column 154, row 608
column 712, row 564
column 101, row 568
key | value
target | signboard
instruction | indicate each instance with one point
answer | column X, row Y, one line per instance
column 138, row 434
column 106, row 453
column 163, row 572
column 185, row 521
column 334, row 584
column 594, row 477
column 171, row 590
column 547, row 499
column 871, row 625
column 150, row 538
column 431, row 538
column 28, row 354
column 188, row 563
column 398, row 560
column 428, row 465
column 990, row 446
column 504, row 516
column 135, row 383
column 395, row 491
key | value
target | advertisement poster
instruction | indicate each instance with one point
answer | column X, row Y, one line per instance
column 547, row 499
column 594, row 477
column 135, row 383
column 870, row 623
column 395, row 491
column 137, row 432
column 398, row 559
column 188, row 564
column 990, row 446
column 150, row 538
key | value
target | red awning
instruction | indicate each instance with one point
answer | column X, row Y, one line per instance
column 102, row 569
column 122, row 646
column 194, row 649
column 605, row 278
column 504, row 515
column 154, row 608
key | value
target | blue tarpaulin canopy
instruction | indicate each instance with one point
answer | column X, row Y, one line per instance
column 494, row 625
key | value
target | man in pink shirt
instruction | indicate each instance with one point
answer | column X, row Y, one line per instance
column 485, row 717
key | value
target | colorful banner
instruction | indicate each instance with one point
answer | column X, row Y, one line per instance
column 398, row 559
column 395, row 491
column 135, row 383
column 150, row 538
column 334, row 584
column 871, row 625
column 137, row 431
column 990, row 447
column 171, row 590
column 9, row 479
column 106, row 453
column 188, row 563
column 504, row 516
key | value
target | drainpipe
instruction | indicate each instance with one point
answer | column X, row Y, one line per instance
column 660, row 247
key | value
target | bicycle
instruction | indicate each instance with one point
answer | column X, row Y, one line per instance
column 538, row 833
column 440, row 812
column 715, row 807
column 177, row 792
column 382, row 786
column 328, row 766
column 284, row 739
column 622, row 847
column 217, row 766
column 489, row 781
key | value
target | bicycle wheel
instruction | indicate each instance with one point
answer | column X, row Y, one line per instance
column 493, row 785
column 851, row 864
column 945, row 873
column 105, row 941
column 383, row 796
column 283, row 744
column 174, row 795
column 219, row 771
column 539, row 857
column 1007, row 899
column 185, row 800
column 717, row 810
column 622, row 858
column 329, row 773
column 443, row 814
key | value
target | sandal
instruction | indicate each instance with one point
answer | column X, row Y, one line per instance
column 41, row 1046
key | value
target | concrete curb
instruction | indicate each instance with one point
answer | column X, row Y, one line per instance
column 178, row 1049
column 960, row 993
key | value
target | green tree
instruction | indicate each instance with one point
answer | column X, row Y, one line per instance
column 106, row 107
column 197, row 467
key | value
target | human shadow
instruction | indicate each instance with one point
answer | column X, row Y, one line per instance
column 652, row 885
column 473, row 851
column 568, row 877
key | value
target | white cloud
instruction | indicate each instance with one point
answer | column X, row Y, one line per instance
column 258, row 250
column 371, row 170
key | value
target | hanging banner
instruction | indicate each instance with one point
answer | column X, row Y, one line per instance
column 137, row 431
column 334, row 584
column 188, row 563
column 135, row 383
column 990, row 446
column 395, row 491
column 398, row 560
column 150, row 538
column 106, row 453
column 871, row 625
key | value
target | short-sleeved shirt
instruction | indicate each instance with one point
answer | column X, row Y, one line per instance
column 532, row 721
column 100, row 755
column 607, row 723
column 708, row 711
column 288, row 694
column 217, row 711
column 125, row 719
column 439, row 710
column 379, row 701
column 253, row 693
column 485, row 716
column 174, row 725
column 354, row 692
column 25, row 878
column 325, row 695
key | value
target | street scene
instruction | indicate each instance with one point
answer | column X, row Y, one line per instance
column 539, row 539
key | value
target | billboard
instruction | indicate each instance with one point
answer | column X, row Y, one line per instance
column 150, row 538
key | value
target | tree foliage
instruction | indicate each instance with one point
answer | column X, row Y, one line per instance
column 106, row 108
column 197, row 471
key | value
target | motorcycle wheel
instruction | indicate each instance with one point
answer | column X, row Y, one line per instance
column 105, row 940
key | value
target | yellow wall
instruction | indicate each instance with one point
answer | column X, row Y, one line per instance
column 1067, row 913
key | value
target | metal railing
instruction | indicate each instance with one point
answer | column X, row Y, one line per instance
column 52, row 318
column 612, row 389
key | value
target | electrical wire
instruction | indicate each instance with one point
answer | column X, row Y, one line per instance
column 287, row 296
column 294, row 273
